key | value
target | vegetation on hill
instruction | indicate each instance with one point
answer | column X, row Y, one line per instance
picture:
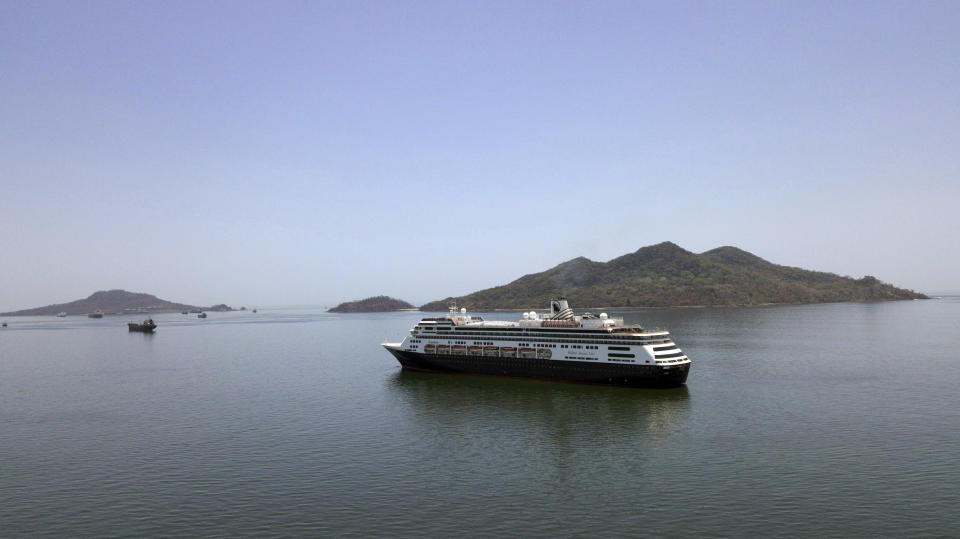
column 115, row 302
column 376, row 304
column 665, row 275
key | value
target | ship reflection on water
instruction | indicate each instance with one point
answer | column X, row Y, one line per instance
column 532, row 408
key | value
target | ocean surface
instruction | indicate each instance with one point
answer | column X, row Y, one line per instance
column 836, row 420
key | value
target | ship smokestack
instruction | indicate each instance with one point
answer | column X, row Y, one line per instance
column 560, row 310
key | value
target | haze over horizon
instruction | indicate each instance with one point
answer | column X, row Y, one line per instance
column 289, row 153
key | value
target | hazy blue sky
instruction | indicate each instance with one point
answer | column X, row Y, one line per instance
column 295, row 153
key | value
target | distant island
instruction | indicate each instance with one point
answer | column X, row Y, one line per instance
column 115, row 302
column 666, row 275
column 376, row 304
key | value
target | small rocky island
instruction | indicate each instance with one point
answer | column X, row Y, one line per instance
column 116, row 302
column 376, row 304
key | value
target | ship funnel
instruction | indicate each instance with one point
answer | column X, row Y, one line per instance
column 560, row 310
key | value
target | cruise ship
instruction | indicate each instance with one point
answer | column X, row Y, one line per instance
column 556, row 346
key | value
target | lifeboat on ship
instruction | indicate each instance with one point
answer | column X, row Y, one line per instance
column 443, row 349
column 475, row 350
column 491, row 351
column 459, row 349
column 430, row 348
column 509, row 351
column 527, row 352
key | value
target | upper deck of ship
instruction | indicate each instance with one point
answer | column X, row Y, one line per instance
column 560, row 321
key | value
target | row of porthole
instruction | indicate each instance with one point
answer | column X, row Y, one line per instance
column 527, row 358
column 551, row 364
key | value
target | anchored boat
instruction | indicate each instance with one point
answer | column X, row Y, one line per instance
column 147, row 326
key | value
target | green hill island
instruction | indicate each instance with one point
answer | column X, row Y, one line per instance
column 376, row 304
column 666, row 275
column 115, row 302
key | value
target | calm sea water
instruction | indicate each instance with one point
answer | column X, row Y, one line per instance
column 825, row 420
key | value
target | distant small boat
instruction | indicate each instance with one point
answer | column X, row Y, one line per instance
column 95, row 314
column 202, row 315
column 3, row 325
column 184, row 312
column 254, row 310
column 196, row 311
column 61, row 314
column 147, row 326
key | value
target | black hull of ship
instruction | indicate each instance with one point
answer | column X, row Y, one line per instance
column 545, row 369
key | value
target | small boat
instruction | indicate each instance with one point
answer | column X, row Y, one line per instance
column 147, row 326
column 491, row 350
column 3, row 325
column 61, row 314
column 475, row 350
column 430, row 348
column 459, row 349
column 254, row 310
column 195, row 311
column 184, row 312
column 95, row 314
column 202, row 315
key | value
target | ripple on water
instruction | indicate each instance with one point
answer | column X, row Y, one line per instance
column 796, row 421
